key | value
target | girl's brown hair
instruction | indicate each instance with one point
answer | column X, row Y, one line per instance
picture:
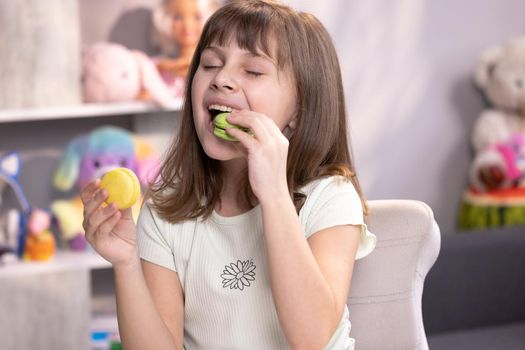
column 190, row 182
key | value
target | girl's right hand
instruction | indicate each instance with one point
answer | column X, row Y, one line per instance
column 110, row 232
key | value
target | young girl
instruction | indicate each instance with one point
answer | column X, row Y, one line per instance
column 248, row 244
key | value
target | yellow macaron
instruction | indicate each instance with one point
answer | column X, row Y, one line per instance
column 123, row 187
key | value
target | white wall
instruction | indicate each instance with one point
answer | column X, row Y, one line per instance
column 407, row 68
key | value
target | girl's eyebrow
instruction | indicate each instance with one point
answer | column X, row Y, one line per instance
column 220, row 51
column 260, row 55
column 213, row 48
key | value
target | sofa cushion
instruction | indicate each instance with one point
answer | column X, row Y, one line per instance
column 478, row 280
column 508, row 337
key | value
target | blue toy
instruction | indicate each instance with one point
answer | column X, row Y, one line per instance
column 13, row 221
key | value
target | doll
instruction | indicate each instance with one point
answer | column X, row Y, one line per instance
column 177, row 28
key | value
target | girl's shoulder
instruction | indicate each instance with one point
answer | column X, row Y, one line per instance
column 327, row 185
column 331, row 193
column 334, row 201
column 164, row 243
column 150, row 217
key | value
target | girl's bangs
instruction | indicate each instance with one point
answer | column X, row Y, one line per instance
column 254, row 31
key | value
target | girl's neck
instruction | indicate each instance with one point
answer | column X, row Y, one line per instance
column 230, row 204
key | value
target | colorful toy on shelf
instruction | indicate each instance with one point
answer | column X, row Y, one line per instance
column 12, row 221
column 177, row 25
column 113, row 73
column 40, row 242
column 496, row 195
column 24, row 232
column 89, row 156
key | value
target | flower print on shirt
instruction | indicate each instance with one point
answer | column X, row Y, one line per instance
column 238, row 275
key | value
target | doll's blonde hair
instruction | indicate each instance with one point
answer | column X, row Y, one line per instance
column 162, row 24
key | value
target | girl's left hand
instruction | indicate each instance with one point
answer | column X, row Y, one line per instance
column 266, row 151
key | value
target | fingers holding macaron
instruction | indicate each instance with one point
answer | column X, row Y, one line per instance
column 221, row 124
column 253, row 124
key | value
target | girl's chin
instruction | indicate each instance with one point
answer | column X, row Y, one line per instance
column 218, row 148
column 221, row 150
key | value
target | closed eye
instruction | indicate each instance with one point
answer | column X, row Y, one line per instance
column 256, row 74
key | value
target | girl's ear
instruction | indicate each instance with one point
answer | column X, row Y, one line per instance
column 290, row 128
column 293, row 123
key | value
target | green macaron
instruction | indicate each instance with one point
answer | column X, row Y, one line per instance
column 221, row 124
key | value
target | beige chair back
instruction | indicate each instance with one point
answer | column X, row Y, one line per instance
column 387, row 286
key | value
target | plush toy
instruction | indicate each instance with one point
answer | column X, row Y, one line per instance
column 113, row 73
column 496, row 195
column 89, row 156
column 501, row 76
column 12, row 220
column 177, row 25
column 24, row 232
column 40, row 242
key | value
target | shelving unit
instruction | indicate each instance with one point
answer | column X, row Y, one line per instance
column 54, row 305
column 74, row 289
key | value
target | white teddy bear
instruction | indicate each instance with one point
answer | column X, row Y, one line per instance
column 497, row 136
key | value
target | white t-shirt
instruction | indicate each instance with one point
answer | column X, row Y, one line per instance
column 222, row 266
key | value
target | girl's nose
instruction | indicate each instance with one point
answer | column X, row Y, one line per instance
column 224, row 80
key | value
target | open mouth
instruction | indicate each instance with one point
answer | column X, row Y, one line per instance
column 218, row 109
column 218, row 114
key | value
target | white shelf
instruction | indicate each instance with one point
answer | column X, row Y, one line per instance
column 87, row 110
column 63, row 260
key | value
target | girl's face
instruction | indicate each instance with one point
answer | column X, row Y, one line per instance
column 236, row 78
column 187, row 21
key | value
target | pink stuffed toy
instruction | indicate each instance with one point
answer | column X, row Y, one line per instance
column 113, row 73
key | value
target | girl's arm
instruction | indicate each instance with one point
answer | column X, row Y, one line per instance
column 150, row 306
column 310, row 278
column 147, row 318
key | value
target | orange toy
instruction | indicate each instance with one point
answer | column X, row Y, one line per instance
column 40, row 243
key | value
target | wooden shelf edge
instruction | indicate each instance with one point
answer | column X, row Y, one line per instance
column 87, row 110
column 63, row 260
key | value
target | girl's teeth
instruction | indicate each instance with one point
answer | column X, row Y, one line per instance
column 220, row 108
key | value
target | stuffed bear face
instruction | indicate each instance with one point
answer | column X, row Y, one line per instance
column 95, row 165
column 501, row 76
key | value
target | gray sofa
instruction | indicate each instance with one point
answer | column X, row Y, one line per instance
column 474, row 295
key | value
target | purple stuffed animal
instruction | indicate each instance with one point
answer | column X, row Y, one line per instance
column 89, row 156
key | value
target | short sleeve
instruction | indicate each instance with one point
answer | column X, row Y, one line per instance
column 334, row 201
column 152, row 240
